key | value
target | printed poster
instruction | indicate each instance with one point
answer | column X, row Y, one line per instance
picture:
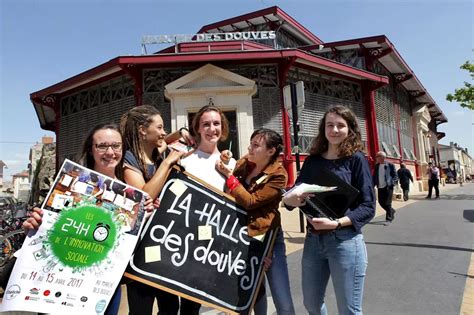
column 74, row 262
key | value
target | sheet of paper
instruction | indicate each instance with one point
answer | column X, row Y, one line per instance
column 178, row 188
column 307, row 188
column 205, row 232
column 152, row 254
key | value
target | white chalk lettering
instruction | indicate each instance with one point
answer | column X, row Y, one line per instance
column 249, row 279
column 184, row 205
column 205, row 213
column 222, row 261
column 176, row 256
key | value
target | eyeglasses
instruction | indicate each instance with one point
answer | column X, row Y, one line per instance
column 103, row 147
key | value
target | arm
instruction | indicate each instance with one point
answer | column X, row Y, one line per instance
column 266, row 193
column 364, row 209
column 155, row 184
column 270, row 191
column 393, row 173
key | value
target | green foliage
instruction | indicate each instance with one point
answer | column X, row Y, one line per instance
column 465, row 95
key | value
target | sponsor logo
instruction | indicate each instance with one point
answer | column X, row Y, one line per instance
column 67, row 304
column 12, row 292
column 31, row 298
column 34, row 291
column 46, row 292
column 49, row 301
column 100, row 306
column 57, row 294
column 71, row 297
column 84, row 299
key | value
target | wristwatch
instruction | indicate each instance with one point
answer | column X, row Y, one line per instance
column 339, row 225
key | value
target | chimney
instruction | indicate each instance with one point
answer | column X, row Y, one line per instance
column 451, row 144
column 47, row 140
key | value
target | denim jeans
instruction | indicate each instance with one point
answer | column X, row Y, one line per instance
column 114, row 304
column 278, row 279
column 343, row 256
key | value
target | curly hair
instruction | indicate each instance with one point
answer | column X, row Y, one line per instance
column 130, row 123
column 197, row 119
column 348, row 146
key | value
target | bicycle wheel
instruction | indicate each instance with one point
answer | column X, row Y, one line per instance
column 7, row 251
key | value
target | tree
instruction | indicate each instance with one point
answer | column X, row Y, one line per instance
column 464, row 95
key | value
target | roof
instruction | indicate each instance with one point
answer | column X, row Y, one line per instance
column 46, row 113
column 274, row 16
column 393, row 62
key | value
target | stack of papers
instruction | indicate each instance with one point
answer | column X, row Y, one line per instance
column 307, row 188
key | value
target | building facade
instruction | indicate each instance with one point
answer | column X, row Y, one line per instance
column 455, row 162
column 245, row 76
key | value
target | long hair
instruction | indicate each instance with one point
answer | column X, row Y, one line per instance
column 272, row 140
column 350, row 145
column 87, row 159
column 197, row 119
column 130, row 123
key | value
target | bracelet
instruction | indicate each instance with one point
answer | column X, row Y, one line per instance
column 232, row 182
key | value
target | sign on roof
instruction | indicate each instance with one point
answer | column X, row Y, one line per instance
column 207, row 37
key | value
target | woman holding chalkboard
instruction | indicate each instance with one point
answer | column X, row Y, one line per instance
column 256, row 184
column 336, row 248
column 145, row 168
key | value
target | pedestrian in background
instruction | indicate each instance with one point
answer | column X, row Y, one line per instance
column 385, row 177
column 336, row 248
column 433, row 180
column 404, row 175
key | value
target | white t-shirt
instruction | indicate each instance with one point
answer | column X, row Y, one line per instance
column 203, row 166
column 382, row 182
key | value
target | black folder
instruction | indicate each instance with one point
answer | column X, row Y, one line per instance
column 331, row 204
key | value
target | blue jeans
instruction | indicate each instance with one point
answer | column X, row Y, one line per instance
column 279, row 282
column 114, row 304
column 343, row 256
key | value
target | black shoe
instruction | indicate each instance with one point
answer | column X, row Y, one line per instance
column 428, row 197
column 437, row 197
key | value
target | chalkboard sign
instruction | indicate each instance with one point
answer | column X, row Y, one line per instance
column 196, row 245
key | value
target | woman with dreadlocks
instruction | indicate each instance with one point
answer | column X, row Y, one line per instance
column 146, row 169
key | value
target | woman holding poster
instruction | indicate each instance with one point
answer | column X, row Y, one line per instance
column 102, row 152
column 256, row 184
column 336, row 248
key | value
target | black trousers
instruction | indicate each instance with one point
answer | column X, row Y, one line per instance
column 385, row 196
column 141, row 298
column 433, row 183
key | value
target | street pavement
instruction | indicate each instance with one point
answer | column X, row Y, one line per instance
column 419, row 264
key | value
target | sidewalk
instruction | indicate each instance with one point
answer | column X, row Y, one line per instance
column 290, row 220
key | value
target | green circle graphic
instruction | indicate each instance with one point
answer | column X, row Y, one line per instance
column 83, row 236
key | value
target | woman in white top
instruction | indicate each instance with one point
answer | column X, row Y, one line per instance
column 209, row 127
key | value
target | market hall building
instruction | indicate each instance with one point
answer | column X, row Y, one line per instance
column 242, row 65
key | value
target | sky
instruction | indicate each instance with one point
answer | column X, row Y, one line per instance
column 44, row 42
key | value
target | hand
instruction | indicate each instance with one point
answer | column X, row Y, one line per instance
column 162, row 148
column 267, row 262
column 156, row 203
column 187, row 137
column 323, row 224
column 296, row 199
column 34, row 221
column 149, row 205
column 174, row 156
column 223, row 169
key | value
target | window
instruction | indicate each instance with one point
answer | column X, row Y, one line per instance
column 386, row 149
column 413, row 156
column 397, row 153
